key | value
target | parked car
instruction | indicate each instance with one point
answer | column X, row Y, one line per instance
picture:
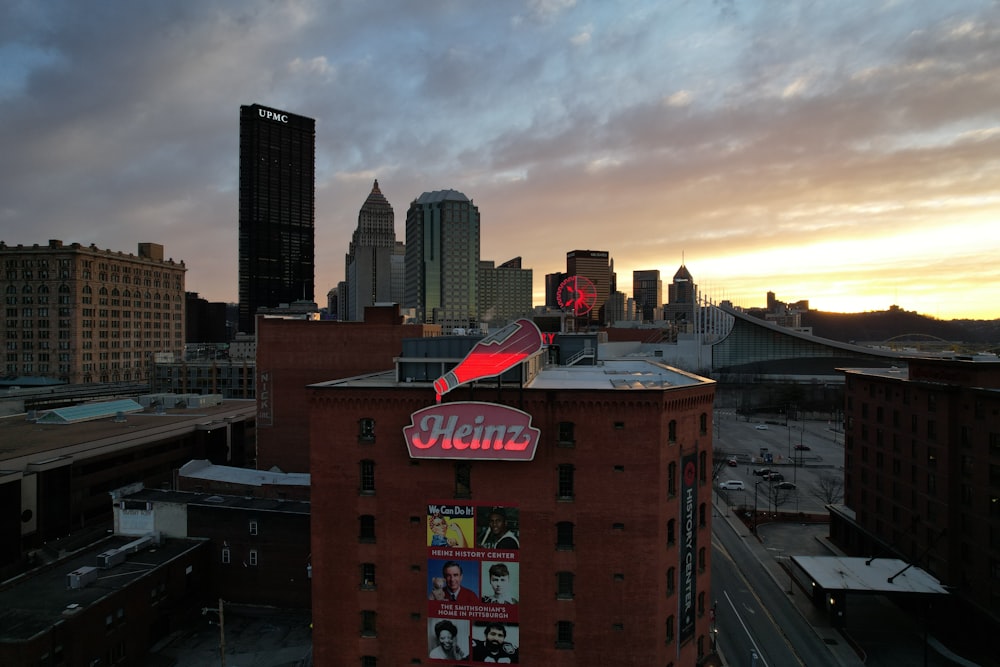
column 774, row 477
column 762, row 472
column 761, row 427
column 732, row 485
column 786, row 486
column 804, row 448
column 732, row 463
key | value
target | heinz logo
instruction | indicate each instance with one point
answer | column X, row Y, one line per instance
column 470, row 430
column 270, row 115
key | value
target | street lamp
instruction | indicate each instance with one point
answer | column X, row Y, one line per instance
column 755, row 485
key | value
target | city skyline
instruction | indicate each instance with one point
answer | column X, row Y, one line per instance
column 840, row 153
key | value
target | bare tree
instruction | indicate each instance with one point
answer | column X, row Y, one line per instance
column 829, row 488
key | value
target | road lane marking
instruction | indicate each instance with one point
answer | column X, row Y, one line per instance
column 760, row 654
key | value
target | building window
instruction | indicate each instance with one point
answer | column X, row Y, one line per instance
column 670, row 628
column 672, row 479
column 566, row 436
column 369, row 661
column 701, row 603
column 671, row 532
column 564, row 634
column 253, row 557
column 226, row 557
column 463, row 480
column 565, row 482
column 366, row 432
column 367, row 477
column 368, row 623
column 703, row 424
column 703, row 466
column 367, row 528
column 368, row 576
column 701, row 515
column 253, row 527
column 672, row 431
column 564, row 585
column 564, row 536
column 671, row 581
column 701, row 559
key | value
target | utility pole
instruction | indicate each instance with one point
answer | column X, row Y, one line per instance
column 222, row 629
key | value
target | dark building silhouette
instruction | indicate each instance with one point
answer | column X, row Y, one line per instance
column 374, row 262
column 599, row 268
column 206, row 321
column 682, row 294
column 647, row 290
column 277, row 210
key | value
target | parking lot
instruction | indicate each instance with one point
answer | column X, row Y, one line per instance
column 804, row 462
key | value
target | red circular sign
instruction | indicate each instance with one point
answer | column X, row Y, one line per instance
column 577, row 293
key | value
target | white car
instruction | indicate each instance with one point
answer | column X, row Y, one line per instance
column 732, row 485
column 761, row 427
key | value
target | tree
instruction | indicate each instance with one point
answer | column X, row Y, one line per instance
column 829, row 488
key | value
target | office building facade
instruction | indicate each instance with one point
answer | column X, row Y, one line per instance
column 277, row 210
column 598, row 267
column 504, row 292
column 647, row 290
column 442, row 260
column 79, row 314
column 682, row 297
column 371, row 264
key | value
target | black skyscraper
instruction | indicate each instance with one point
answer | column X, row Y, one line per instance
column 277, row 210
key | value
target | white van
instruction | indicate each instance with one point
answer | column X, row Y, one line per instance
column 732, row 485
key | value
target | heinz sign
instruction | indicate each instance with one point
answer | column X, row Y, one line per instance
column 471, row 430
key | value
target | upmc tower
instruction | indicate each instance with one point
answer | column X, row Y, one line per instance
column 277, row 210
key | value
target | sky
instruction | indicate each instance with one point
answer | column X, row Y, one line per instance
column 843, row 151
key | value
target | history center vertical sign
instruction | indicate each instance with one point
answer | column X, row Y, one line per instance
column 689, row 545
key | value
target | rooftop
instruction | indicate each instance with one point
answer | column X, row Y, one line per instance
column 42, row 598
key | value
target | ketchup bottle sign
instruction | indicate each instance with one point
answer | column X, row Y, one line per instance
column 493, row 355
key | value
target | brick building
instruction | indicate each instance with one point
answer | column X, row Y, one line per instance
column 292, row 354
column 922, row 478
column 610, row 567
column 81, row 314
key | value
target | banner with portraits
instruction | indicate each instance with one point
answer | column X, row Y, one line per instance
column 473, row 583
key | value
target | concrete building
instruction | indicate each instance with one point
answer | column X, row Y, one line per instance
column 80, row 314
column 442, row 260
column 58, row 465
column 106, row 604
column 277, row 202
column 922, row 479
column 504, row 292
column 598, row 267
column 373, row 272
column 606, row 528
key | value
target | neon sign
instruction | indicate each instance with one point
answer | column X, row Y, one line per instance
column 471, row 430
column 578, row 294
column 493, row 355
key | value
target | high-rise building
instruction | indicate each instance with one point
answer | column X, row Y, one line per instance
column 647, row 290
column 599, row 268
column 277, row 210
column 80, row 314
column 682, row 295
column 504, row 292
column 552, row 282
column 371, row 258
column 442, row 260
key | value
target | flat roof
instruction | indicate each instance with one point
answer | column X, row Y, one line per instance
column 201, row 499
column 868, row 575
column 206, row 470
column 611, row 374
column 23, row 442
column 35, row 602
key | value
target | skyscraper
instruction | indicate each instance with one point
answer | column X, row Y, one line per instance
column 597, row 266
column 647, row 289
column 277, row 210
column 681, row 295
column 504, row 292
column 369, row 262
column 442, row 259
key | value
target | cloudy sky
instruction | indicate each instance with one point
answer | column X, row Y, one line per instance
column 845, row 152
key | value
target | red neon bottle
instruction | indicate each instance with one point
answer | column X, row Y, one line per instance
column 493, row 355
